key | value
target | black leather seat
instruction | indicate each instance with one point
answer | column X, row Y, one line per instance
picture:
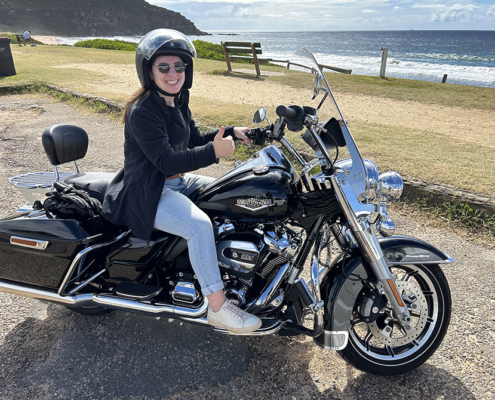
column 95, row 183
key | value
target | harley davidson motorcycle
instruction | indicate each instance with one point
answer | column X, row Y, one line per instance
column 296, row 244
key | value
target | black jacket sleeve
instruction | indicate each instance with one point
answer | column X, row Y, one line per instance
column 149, row 133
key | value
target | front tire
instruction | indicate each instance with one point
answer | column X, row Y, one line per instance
column 384, row 347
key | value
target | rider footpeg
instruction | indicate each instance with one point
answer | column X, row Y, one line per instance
column 137, row 291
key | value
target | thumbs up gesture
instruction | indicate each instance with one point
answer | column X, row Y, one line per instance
column 224, row 147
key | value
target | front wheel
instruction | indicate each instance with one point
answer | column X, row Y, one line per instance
column 384, row 347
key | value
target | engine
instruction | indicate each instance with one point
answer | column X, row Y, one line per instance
column 249, row 258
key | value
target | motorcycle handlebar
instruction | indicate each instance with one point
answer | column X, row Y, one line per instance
column 287, row 112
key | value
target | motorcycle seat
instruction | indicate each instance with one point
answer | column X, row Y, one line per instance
column 95, row 183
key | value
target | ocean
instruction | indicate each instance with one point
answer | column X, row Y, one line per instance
column 467, row 57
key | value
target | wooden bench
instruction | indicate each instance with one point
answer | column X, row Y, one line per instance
column 244, row 51
column 20, row 39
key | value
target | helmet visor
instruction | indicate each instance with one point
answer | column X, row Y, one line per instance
column 153, row 40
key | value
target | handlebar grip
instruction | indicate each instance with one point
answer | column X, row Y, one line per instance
column 287, row 112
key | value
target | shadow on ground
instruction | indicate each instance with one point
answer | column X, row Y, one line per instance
column 129, row 356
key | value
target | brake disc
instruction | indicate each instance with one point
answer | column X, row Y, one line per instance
column 396, row 335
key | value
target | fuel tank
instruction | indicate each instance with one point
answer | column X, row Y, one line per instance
column 260, row 189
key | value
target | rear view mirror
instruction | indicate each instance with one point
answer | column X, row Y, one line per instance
column 259, row 116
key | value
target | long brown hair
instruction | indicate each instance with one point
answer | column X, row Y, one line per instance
column 138, row 95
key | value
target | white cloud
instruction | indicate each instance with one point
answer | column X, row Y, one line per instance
column 429, row 6
column 368, row 11
column 491, row 12
column 396, row 8
column 242, row 12
column 457, row 12
column 272, row 15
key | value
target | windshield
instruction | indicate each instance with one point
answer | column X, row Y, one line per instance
column 313, row 88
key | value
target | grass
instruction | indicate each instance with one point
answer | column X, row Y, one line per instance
column 423, row 154
column 433, row 210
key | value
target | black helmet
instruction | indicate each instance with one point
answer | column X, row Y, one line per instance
column 161, row 42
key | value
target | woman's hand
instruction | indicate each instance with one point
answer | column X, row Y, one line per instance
column 240, row 133
column 224, row 147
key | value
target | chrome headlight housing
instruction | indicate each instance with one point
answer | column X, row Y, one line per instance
column 389, row 187
column 371, row 173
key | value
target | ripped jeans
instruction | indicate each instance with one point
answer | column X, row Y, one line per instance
column 178, row 215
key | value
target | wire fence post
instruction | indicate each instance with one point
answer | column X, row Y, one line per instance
column 384, row 61
column 444, row 79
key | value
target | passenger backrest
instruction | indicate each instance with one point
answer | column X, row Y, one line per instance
column 64, row 143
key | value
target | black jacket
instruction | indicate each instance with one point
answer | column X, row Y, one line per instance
column 132, row 197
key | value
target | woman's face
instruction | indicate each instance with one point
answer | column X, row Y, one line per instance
column 171, row 82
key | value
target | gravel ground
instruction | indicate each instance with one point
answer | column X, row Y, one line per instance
column 48, row 352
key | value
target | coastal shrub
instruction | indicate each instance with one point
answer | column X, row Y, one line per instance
column 107, row 44
column 213, row 51
column 207, row 50
column 210, row 51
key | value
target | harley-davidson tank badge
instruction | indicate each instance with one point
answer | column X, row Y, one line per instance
column 254, row 204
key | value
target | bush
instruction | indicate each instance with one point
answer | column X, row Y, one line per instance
column 107, row 44
column 210, row 51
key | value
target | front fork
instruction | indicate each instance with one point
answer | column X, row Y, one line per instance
column 372, row 252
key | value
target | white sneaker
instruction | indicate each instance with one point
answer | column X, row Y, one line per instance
column 233, row 319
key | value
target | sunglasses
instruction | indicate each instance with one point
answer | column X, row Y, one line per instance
column 178, row 67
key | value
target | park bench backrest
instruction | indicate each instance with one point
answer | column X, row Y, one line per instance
column 244, row 51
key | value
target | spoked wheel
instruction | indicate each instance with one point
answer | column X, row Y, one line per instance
column 384, row 347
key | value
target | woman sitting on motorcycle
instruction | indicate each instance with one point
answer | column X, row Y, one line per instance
column 162, row 144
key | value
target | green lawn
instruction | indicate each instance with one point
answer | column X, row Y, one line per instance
column 417, row 153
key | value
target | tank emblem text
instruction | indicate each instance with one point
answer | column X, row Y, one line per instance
column 254, row 204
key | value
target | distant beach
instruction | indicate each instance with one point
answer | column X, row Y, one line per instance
column 467, row 57
column 46, row 39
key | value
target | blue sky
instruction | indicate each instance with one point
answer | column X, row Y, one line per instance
column 301, row 15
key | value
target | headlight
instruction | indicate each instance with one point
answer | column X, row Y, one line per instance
column 371, row 172
column 389, row 186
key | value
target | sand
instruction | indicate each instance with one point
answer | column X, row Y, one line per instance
column 46, row 39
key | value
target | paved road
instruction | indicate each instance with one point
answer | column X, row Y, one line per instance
column 49, row 352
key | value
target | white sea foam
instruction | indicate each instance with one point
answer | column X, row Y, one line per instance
column 461, row 69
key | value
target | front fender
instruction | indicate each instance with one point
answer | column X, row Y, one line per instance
column 341, row 293
column 401, row 249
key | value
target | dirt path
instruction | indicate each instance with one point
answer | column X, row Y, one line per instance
column 49, row 352
column 475, row 126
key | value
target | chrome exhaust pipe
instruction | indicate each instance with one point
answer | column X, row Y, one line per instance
column 107, row 301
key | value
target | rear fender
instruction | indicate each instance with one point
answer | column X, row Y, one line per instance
column 341, row 293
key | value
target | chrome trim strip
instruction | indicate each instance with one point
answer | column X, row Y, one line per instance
column 39, row 244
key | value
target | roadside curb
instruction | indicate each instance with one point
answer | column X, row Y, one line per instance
column 412, row 187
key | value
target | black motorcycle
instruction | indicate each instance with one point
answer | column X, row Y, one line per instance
column 296, row 246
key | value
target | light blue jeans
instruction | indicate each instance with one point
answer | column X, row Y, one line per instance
column 178, row 215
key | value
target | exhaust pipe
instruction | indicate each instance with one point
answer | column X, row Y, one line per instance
column 107, row 301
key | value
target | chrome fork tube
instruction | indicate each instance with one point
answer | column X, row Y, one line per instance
column 373, row 254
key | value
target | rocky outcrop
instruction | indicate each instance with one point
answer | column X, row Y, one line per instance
column 90, row 18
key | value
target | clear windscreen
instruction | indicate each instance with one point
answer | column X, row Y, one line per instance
column 312, row 89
